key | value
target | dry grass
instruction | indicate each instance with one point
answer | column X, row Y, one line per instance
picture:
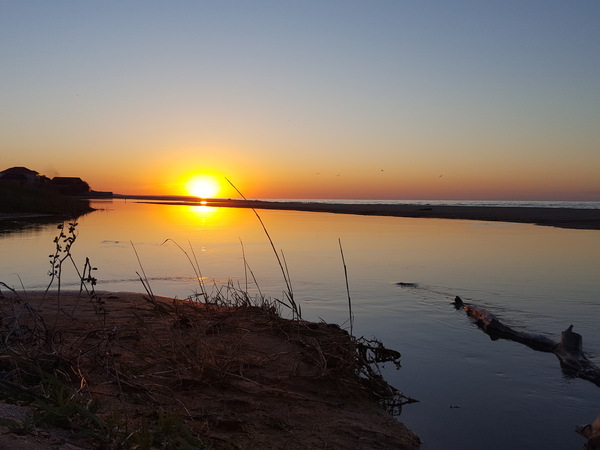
column 169, row 373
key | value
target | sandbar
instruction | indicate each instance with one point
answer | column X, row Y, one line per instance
column 575, row 218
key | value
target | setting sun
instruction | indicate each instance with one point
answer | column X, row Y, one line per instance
column 203, row 186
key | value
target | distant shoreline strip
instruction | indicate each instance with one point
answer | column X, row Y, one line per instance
column 574, row 218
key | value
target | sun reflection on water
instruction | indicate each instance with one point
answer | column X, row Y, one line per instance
column 203, row 214
column 203, row 210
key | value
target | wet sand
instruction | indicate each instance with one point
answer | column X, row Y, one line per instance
column 584, row 219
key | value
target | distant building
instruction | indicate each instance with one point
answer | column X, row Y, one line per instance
column 70, row 185
column 20, row 175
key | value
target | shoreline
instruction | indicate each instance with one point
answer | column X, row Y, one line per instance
column 24, row 216
column 558, row 217
column 571, row 218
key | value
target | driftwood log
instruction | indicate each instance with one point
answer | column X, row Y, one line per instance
column 591, row 432
column 569, row 349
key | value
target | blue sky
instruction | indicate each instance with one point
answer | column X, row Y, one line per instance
column 336, row 99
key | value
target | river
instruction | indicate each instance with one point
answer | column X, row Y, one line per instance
column 474, row 392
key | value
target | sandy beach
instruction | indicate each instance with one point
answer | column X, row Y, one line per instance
column 159, row 372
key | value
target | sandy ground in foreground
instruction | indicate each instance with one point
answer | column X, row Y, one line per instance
column 237, row 377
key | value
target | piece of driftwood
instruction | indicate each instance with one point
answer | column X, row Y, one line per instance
column 569, row 349
column 591, row 432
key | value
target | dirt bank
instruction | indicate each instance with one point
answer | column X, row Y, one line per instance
column 168, row 373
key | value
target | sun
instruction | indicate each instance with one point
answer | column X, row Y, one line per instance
column 203, row 186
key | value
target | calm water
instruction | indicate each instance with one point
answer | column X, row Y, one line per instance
column 535, row 278
column 534, row 204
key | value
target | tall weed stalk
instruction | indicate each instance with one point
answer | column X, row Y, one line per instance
column 62, row 254
column 195, row 266
column 347, row 288
column 289, row 293
column 144, row 280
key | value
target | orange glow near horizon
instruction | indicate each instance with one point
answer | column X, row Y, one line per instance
column 188, row 177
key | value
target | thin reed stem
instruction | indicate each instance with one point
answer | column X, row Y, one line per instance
column 144, row 281
column 247, row 269
column 283, row 267
column 347, row 288
column 194, row 264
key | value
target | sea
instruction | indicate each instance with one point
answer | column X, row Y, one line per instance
column 490, row 203
column 402, row 276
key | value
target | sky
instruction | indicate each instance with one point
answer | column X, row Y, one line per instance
column 377, row 99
